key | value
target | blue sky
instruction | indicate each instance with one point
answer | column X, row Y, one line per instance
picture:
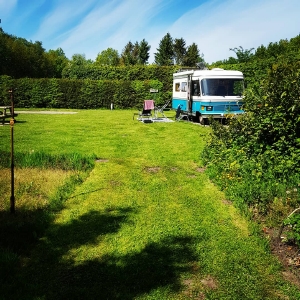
column 91, row 26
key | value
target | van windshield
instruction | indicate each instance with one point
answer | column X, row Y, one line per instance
column 222, row 87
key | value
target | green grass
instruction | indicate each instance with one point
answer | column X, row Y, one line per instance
column 146, row 223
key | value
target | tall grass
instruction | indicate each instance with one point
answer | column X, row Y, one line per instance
column 40, row 159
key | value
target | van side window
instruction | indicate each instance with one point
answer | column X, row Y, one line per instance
column 183, row 86
column 195, row 88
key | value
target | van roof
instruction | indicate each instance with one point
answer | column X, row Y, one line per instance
column 213, row 72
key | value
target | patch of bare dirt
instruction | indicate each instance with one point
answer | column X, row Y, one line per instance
column 201, row 170
column 227, row 202
column 287, row 253
column 194, row 288
column 210, row 283
column 101, row 160
column 152, row 169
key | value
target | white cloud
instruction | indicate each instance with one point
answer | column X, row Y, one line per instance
column 90, row 26
column 112, row 26
column 6, row 8
column 62, row 17
column 237, row 23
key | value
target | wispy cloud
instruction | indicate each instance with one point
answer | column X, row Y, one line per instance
column 236, row 23
column 90, row 26
column 63, row 16
column 7, row 7
column 112, row 25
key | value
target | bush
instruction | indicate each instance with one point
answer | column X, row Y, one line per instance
column 256, row 159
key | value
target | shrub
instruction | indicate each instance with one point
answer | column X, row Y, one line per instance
column 256, row 158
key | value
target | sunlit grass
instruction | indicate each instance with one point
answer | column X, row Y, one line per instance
column 33, row 187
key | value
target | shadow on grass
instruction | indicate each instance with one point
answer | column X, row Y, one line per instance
column 51, row 273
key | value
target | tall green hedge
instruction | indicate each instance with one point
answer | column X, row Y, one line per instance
column 92, row 87
column 81, row 93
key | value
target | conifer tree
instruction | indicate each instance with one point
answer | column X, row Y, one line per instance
column 130, row 54
column 144, row 52
column 179, row 51
column 165, row 53
column 192, row 56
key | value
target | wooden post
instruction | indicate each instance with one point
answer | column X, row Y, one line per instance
column 12, row 167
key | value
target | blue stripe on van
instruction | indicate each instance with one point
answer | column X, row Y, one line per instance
column 217, row 107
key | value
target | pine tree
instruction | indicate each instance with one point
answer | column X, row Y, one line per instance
column 179, row 51
column 130, row 54
column 193, row 56
column 165, row 54
column 144, row 52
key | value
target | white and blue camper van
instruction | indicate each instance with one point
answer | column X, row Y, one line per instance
column 213, row 93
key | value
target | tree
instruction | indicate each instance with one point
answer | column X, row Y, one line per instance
column 165, row 53
column 77, row 67
column 108, row 57
column 79, row 60
column 130, row 54
column 135, row 54
column 193, row 56
column 144, row 55
column 242, row 55
column 261, row 52
column 57, row 62
column 179, row 49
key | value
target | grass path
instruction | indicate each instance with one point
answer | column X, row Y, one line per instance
column 147, row 223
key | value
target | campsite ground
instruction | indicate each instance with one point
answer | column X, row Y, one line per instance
column 144, row 223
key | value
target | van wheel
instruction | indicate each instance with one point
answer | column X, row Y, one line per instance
column 201, row 120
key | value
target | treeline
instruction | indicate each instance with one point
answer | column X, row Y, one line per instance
column 279, row 50
column 20, row 58
column 255, row 63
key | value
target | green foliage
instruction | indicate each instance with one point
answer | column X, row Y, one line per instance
column 294, row 222
column 243, row 55
column 179, row 47
column 108, row 57
column 144, row 55
column 57, row 62
column 257, row 157
column 130, row 54
column 175, row 51
column 21, row 58
column 192, row 56
column 88, row 94
column 6, row 85
column 88, row 86
column 165, row 53
column 135, row 54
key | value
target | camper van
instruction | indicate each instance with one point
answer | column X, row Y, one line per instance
column 203, row 94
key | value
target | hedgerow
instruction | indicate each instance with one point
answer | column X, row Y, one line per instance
column 256, row 159
column 81, row 93
column 92, row 87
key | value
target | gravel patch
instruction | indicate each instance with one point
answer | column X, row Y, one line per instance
column 46, row 112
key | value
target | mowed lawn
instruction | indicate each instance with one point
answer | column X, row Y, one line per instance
column 146, row 223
